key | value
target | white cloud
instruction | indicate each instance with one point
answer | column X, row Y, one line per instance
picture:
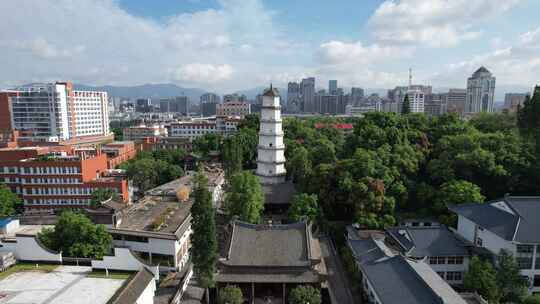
column 435, row 23
column 337, row 52
column 97, row 42
column 203, row 73
column 530, row 37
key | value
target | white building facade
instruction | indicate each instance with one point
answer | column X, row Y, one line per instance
column 271, row 149
column 416, row 101
column 91, row 113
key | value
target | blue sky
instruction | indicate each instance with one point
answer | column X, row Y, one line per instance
column 228, row 45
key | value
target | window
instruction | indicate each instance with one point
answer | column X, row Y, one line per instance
column 536, row 282
column 524, row 262
column 454, row 276
column 441, row 260
column 525, row 248
column 441, row 274
column 479, row 242
column 432, row 260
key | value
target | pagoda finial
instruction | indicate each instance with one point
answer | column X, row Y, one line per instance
column 270, row 86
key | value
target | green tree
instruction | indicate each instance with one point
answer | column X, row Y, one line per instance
column 482, row 278
column 512, row 286
column 305, row 295
column 232, row 155
column 76, row 236
column 304, row 206
column 230, row 295
column 203, row 239
column 299, row 166
column 406, row 106
column 207, row 143
column 454, row 192
column 495, row 122
column 8, row 201
column 102, row 195
column 143, row 173
column 532, row 299
column 245, row 198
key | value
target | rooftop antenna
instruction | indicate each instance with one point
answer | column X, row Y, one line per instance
column 410, row 78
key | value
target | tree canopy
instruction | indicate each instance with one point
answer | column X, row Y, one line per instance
column 203, row 239
column 406, row 106
column 304, row 207
column 482, row 278
column 8, row 201
column 230, row 295
column 305, row 295
column 76, row 236
column 245, row 198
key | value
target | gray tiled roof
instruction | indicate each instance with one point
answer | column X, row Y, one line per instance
column 428, row 241
column 134, row 288
column 500, row 222
column 528, row 208
column 269, row 245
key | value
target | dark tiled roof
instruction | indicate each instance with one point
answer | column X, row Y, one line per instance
column 271, row 92
column 134, row 288
column 528, row 208
column 428, row 241
column 366, row 250
column 500, row 222
column 278, row 193
column 269, row 245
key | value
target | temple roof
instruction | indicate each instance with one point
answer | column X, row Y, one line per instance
column 272, row 92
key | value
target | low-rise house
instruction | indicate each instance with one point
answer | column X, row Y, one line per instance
column 267, row 261
column 437, row 245
column 7, row 259
column 511, row 223
column 389, row 277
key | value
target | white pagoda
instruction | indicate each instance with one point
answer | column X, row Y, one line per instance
column 271, row 149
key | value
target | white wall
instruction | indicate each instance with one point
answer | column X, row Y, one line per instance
column 123, row 259
column 466, row 228
column 147, row 296
column 494, row 243
column 27, row 248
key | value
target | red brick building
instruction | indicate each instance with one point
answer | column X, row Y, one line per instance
column 57, row 176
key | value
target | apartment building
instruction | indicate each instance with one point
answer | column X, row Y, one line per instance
column 197, row 128
column 233, row 108
column 58, row 176
column 143, row 131
column 54, row 112
column 511, row 223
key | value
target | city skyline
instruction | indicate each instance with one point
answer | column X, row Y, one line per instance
column 230, row 45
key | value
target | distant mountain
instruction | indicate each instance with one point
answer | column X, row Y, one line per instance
column 252, row 93
column 154, row 91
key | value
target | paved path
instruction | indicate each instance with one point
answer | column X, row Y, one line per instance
column 337, row 280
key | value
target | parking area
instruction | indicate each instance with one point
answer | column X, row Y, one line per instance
column 65, row 284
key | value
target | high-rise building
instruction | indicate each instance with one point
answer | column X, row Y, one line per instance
column 434, row 104
column 480, row 91
column 513, row 100
column 143, row 105
column 164, row 105
column 332, row 87
column 210, row 98
column 271, row 149
column 293, row 97
column 455, row 101
column 307, row 90
column 416, row 100
column 180, row 105
column 235, row 97
column 55, row 112
column 357, row 94
column 233, row 108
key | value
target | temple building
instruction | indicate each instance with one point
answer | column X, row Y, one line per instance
column 267, row 261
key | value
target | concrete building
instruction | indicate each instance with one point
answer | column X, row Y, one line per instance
column 271, row 148
column 332, row 87
column 143, row 105
column 510, row 223
column 480, row 91
column 54, row 112
column 209, row 109
column 513, row 100
column 456, row 100
column 357, row 95
column 388, row 277
column 358, row 110
column 234, row 97
column 435, row 104
column 58, row 177
column 416, row 100
column 233, row 108
column 143, row 131
column 294, row 102
column 445, row 253
column 196, row 128
column 307, row 91
column 210, row 98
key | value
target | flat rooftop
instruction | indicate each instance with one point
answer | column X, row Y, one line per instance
column 64, row 285
column 155, row 214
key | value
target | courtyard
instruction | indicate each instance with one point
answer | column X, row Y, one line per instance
column 63, row 284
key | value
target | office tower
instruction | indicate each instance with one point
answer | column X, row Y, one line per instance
column 180, row 105
column 164, row 105
column 513, row 100
column 143, row 105
column 480, row 91
column 332, row 87
column 271, row 149
column 307, row 90
column 89, row 114
column 434, row 104
column 293, row 97
column 416, row 101
column 209, row 108
column 357, row 94
column 234, row 97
